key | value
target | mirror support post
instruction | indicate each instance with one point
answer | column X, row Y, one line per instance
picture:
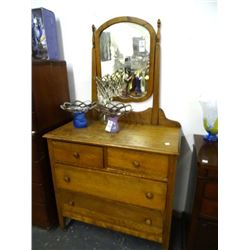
column 155, row 109
column 94, row 87
column 94, row 90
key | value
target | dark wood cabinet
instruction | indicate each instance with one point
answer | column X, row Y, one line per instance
column 49, row 90
column 203, row 229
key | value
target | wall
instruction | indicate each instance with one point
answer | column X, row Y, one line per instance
column 188, row 59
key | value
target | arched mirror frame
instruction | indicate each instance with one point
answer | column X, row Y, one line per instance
column 154, row 115
column 97, row 71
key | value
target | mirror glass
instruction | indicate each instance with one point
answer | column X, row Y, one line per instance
column 125, row 53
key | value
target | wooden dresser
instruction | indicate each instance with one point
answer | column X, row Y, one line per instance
column 123, row 181
column 203, row 231
column 49, row 90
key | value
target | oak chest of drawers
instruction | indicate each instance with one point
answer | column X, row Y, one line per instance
column 123, row 181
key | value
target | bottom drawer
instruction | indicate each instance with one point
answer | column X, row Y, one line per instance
column 114, row 215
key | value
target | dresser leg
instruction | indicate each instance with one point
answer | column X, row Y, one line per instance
column 165, row 246
column 166, row 237
column 61, row 222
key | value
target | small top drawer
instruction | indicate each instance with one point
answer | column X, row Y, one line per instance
column 77, row 154
column 140, row 163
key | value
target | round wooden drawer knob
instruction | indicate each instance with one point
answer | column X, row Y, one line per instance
column 136, row 164
column 149, row 195
column 66, row 179
column 76, row 155
column 72, row 203
column 148, row 221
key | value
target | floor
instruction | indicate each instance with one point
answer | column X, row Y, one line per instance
column 81, row 236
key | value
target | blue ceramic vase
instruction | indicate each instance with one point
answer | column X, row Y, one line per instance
column 80, row 120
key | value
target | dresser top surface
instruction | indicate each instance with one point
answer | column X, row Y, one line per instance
column 156, row 139
column 207, row 152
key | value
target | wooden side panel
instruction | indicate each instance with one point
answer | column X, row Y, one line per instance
column 211, row 191
column 49, row 90
column 43, row 199
column 52, row 164
column 169, row 202
column 209, row 208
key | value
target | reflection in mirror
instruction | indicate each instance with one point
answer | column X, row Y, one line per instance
column 125, row 51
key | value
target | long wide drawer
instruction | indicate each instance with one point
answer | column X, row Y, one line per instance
column 137, row 162
column 132, row 190
column 78, row 154
column 114, row 213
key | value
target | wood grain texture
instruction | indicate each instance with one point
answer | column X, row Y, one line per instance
column 125, row 215
column 49, row 90
column 156, row 87
column 112, row 186
column 117, row 181
column 61, row 219
column 116, row 227
column 153, row 166
column 149, row 187
column 78, row 155
column 131, row 136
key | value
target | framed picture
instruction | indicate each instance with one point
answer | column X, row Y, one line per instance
column 105, row 41
column 139, row 46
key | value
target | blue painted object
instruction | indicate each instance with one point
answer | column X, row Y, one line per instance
column 137, row 85
column 80, row 120
column 210, row 137
column 44, row 35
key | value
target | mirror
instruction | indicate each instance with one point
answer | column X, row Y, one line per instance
column 128, row 56
column 124, row 49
